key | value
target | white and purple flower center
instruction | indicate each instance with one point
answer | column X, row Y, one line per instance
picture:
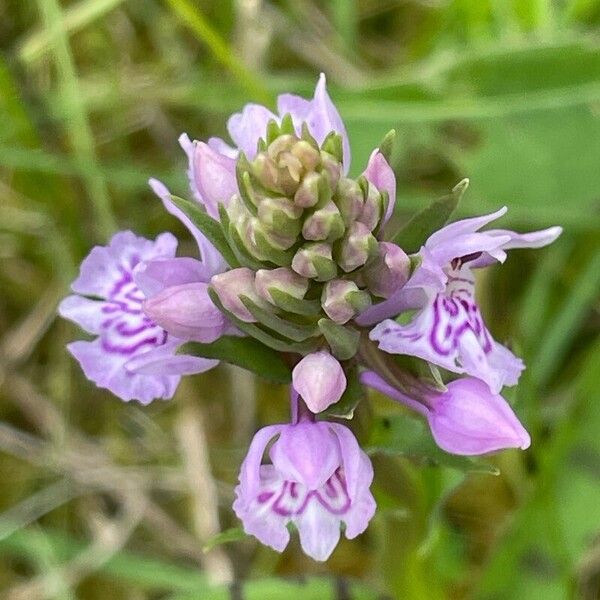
column 455, row 314
column 291, row 498
column 126, row 329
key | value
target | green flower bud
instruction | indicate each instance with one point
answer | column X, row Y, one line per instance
column 349, row 199
column 374, row 204
column 308, row 193
column 324, row 224
column 356, row 248
column 280, row 216
column 314, row 261
column 341, row 300
column 281, row 279
column 332, row 168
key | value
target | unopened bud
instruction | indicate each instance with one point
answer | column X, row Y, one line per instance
column 349, row 199
column 281, row 216
column 314, row 261
column 308, row 193
column 282, row 279
column 331, row 168
column 356, row 248
column 230, row 285
column 389, row 271
column 324, row 224
column 187, row 312
column 341, row 300
column 373, row 208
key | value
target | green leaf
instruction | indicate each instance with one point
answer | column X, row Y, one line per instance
column 233, row 534
column 342, row 340
column 291, row 304
column 354, row 393
column 406, row 436
column 208, row 226
column 244, row 352
column 387, row 145
column 261, row 335
column 283, row 327
column 415, row 233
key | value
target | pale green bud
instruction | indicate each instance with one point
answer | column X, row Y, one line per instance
column 308, row 193
column 349, row 199
column 282, row 279
column 314, row 261
column 324, row 224
column 374, row 204
column 341, row 300
column 356, row 248
column 281, row 216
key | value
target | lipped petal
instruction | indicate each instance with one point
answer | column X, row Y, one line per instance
column 319, row 531
column 86, row 313
column 106, row 371
column 257, row 512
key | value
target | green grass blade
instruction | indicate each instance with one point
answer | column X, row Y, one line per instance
column 76, row 120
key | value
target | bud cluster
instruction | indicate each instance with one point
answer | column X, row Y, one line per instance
column 305, row 234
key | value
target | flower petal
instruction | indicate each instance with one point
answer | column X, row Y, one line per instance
column 248, row 126
column 106, row 371
column 306, row 453
column 213, row 260
column 381, row 175
column 319, row 531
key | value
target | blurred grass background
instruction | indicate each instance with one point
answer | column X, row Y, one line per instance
column 101, row 499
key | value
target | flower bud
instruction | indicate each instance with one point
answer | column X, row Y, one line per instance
column 356, row 248
column 341, row 300
column 307, row 154
column 281, row 216
column 308, row 193
column 314, row 261
column 331, row 168
column 230, row 285
column 389, row 271
column 349, row 199
column 324, row 224
column 319, row 379
column 187, row 312
column 282, row 279
column 266, row 172
column 469, row 419
column 373, row 207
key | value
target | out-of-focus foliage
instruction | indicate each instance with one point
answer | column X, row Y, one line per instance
column 103, row 499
